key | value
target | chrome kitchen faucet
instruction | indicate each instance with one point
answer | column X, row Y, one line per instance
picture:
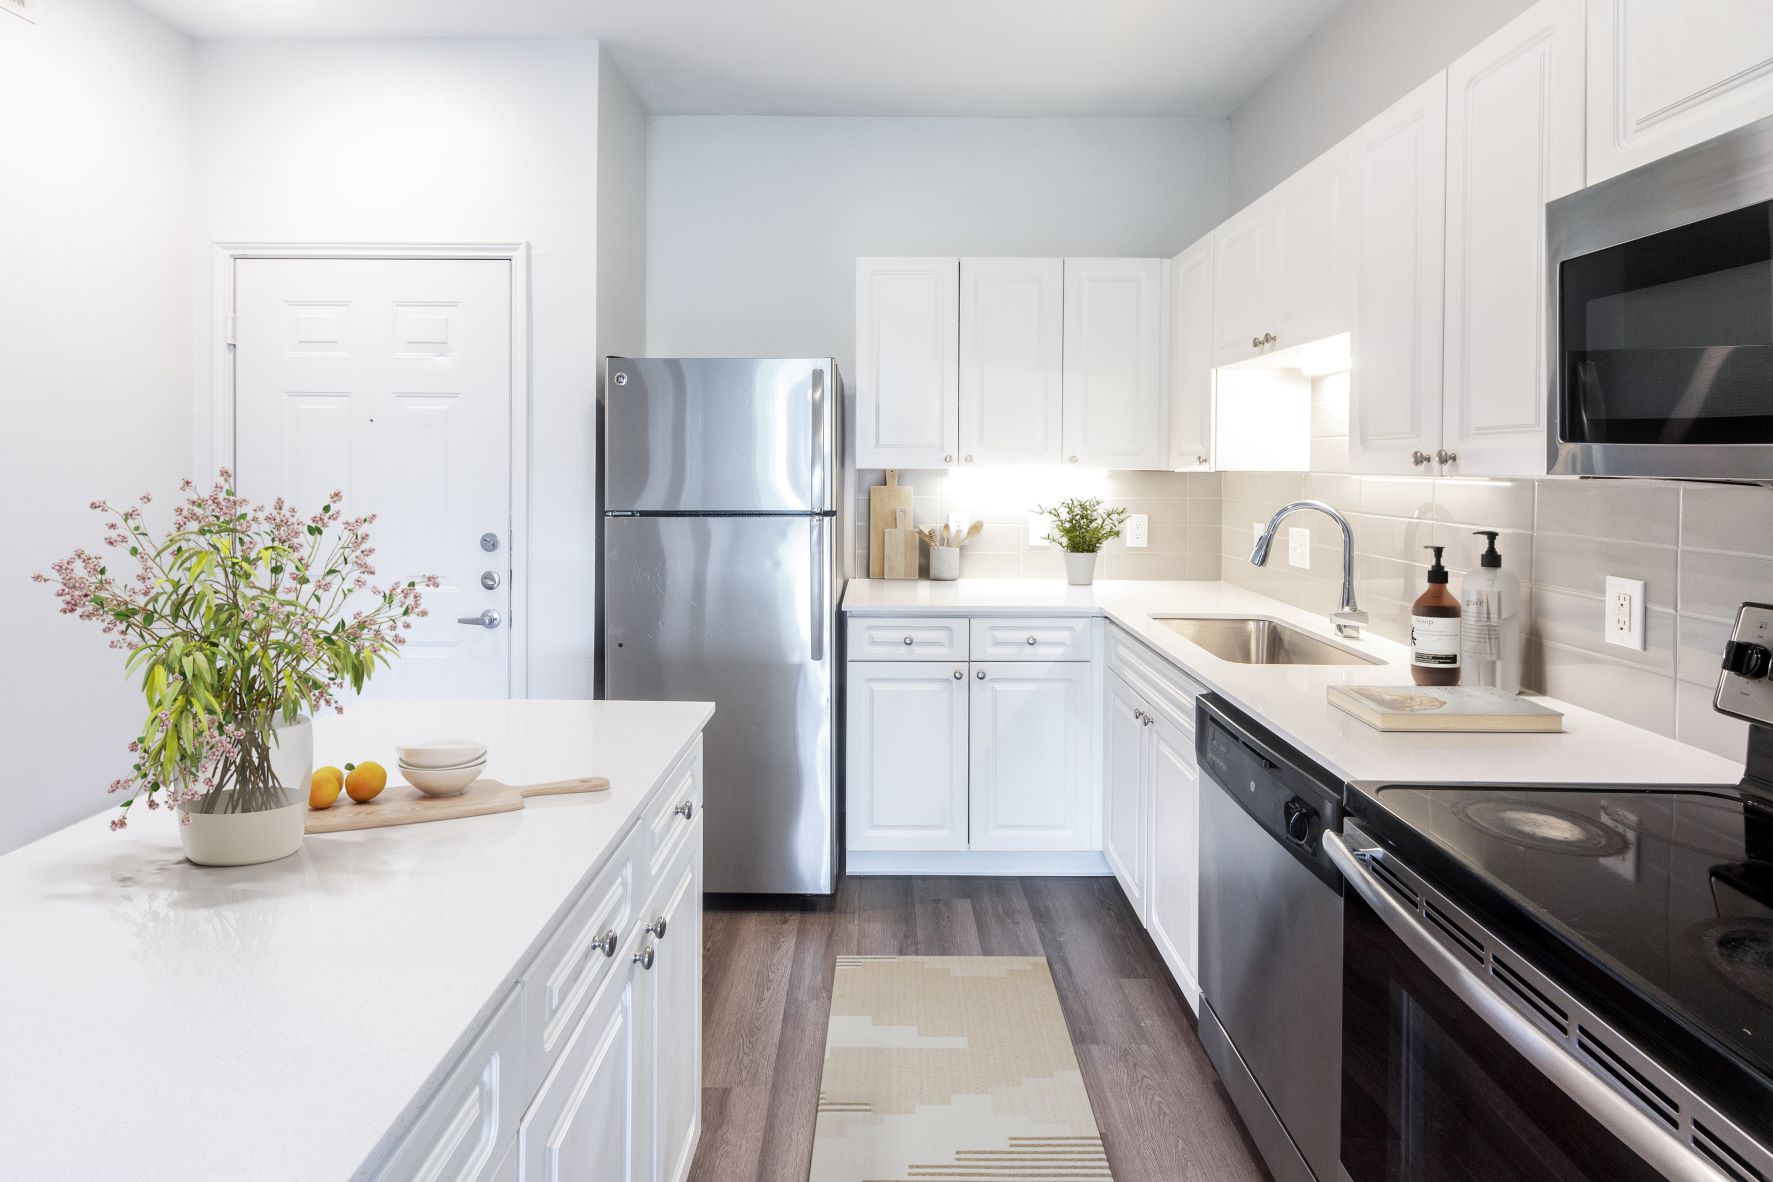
column 1348, row 618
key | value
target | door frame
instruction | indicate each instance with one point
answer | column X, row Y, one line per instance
column 224, row 255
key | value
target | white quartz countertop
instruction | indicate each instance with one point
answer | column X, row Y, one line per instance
column 159, row 1020
column 1290, row 699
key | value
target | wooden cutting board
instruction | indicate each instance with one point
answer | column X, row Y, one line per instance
column 900, row 549
column 884, row 503
column 405, row 805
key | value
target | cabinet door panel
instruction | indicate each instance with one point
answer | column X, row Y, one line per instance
column 1243, row 270
column 1114, row 363
column 1313, row 212
column 1514, row 142
column 907, row 362
column 906, row 733
column 1664, row 76
column 1191, row 358
column 1012, row 327
column 672, row 1026
column 1175, row 860
column 1124, row 834
column 1395, row 384
column 583, row 1121
column 1030, row 742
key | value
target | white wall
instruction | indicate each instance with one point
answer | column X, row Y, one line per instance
column 1368, row 55
column 754, row 223
column 95, row 369
column 437, row 141
column 621, row 215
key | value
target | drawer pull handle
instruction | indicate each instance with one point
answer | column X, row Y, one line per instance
column 959, row 676
column 980, row 675
column 607, row 942
column 686, row 810
column 909, row 642
column 1033, row 641
column 644, row 958
column 657, row 928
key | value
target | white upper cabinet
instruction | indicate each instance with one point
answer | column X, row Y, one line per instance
column 1282, row 265
column 1664, row 76
column 907, row 362
column 1114, row 318
column 1012, row 350
column 1514, row 142
column 1313, row 213
column 1243, row 265
column 1191, row 357
column 1400, row 188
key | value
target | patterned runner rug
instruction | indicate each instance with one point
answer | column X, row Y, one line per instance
column 952, row 1069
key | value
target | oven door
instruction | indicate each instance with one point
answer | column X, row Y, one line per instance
column 1442, row 1078
column 1662, row 329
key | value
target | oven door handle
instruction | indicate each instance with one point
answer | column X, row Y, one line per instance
column 1639, row 1132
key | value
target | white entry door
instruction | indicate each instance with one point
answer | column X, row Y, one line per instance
column 391, row 379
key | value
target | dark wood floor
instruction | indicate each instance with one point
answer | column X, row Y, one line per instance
column 769, row 964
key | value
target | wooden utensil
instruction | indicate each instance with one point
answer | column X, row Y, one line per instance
column 408, row 806
column 900, row 548
column 884, row 503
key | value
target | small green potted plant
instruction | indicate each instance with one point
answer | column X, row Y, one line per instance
column 241, row 619
column 1081, row 526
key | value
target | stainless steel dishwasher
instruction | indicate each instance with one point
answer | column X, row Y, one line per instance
column 1271, row 940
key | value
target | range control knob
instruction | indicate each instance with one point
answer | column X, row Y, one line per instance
column 1747, row 659
column 1299, row 816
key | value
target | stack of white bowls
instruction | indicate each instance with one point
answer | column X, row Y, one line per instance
column 442, row 767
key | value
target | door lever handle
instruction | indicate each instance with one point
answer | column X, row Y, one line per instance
column 486, row 619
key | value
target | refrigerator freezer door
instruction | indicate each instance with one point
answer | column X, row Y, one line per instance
column 720, row 434
column 737, row 611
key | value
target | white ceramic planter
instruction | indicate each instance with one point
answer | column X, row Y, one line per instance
column 1080, row 569
column 245, row 839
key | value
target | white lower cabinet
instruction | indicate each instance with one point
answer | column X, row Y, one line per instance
column 1029, row 735
column 906, row 732
column 671, row 1010
column 1126, row 822
column 1174, row 915
column 586, row 1120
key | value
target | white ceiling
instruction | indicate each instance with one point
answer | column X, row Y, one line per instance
column 854, row 57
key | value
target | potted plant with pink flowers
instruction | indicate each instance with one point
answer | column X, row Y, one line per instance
column 241, row 620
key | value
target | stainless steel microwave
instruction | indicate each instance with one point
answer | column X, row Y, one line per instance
column 1662, row 317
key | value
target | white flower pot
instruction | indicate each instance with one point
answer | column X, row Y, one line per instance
column 1080, row 569
column 264, row 835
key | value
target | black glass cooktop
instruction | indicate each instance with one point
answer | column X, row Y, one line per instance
column 1656, row 903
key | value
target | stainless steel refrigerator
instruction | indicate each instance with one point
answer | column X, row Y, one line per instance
column 721, row 564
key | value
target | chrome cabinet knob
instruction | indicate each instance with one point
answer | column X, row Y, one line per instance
column 1255, row 342
column 686, row 810
column 1138, row 713
column 1269, row 338
column 1447, row 457
column 607, row 942
column 1032, row 641
column 969, row 459
column 1074, row 459
column 1149, row 720
column 645, row 957
column 1201, row 460
column 980, row 675
column 1419, row 458
column 657, row 928
column 947, row 459
column 959, row 676
column 909, row 642
column 486, row 619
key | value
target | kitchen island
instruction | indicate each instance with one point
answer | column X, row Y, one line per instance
column 384, row 1001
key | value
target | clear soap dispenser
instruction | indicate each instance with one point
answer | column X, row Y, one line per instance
column 1490, row 622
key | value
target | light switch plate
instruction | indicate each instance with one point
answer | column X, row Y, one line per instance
column 1745, row 697
column 1622, row 622
column 1138, row 531
column 1299, row 547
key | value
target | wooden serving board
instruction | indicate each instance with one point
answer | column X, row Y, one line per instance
column 406, row 805
column 884, row 504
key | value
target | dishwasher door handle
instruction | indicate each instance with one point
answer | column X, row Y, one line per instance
column 1654, row 1142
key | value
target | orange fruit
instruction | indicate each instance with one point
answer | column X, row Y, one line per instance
column 363, row 781
column 324, row 787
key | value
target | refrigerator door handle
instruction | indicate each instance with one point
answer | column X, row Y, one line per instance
column 821, row 495
column 816, row 565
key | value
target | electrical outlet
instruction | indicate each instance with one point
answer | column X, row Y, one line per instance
column 1624, row 607
column 957, row 523
column 1138, row 531
column 1299, row 547
column 1038, row 525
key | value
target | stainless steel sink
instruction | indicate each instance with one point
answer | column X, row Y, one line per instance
column 1261, row 642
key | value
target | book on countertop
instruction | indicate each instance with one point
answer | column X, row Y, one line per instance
column 1443, row 708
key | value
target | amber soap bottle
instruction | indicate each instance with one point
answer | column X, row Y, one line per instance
column 1434, row 630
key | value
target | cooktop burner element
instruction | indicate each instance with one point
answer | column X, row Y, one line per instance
column 1541, row 827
